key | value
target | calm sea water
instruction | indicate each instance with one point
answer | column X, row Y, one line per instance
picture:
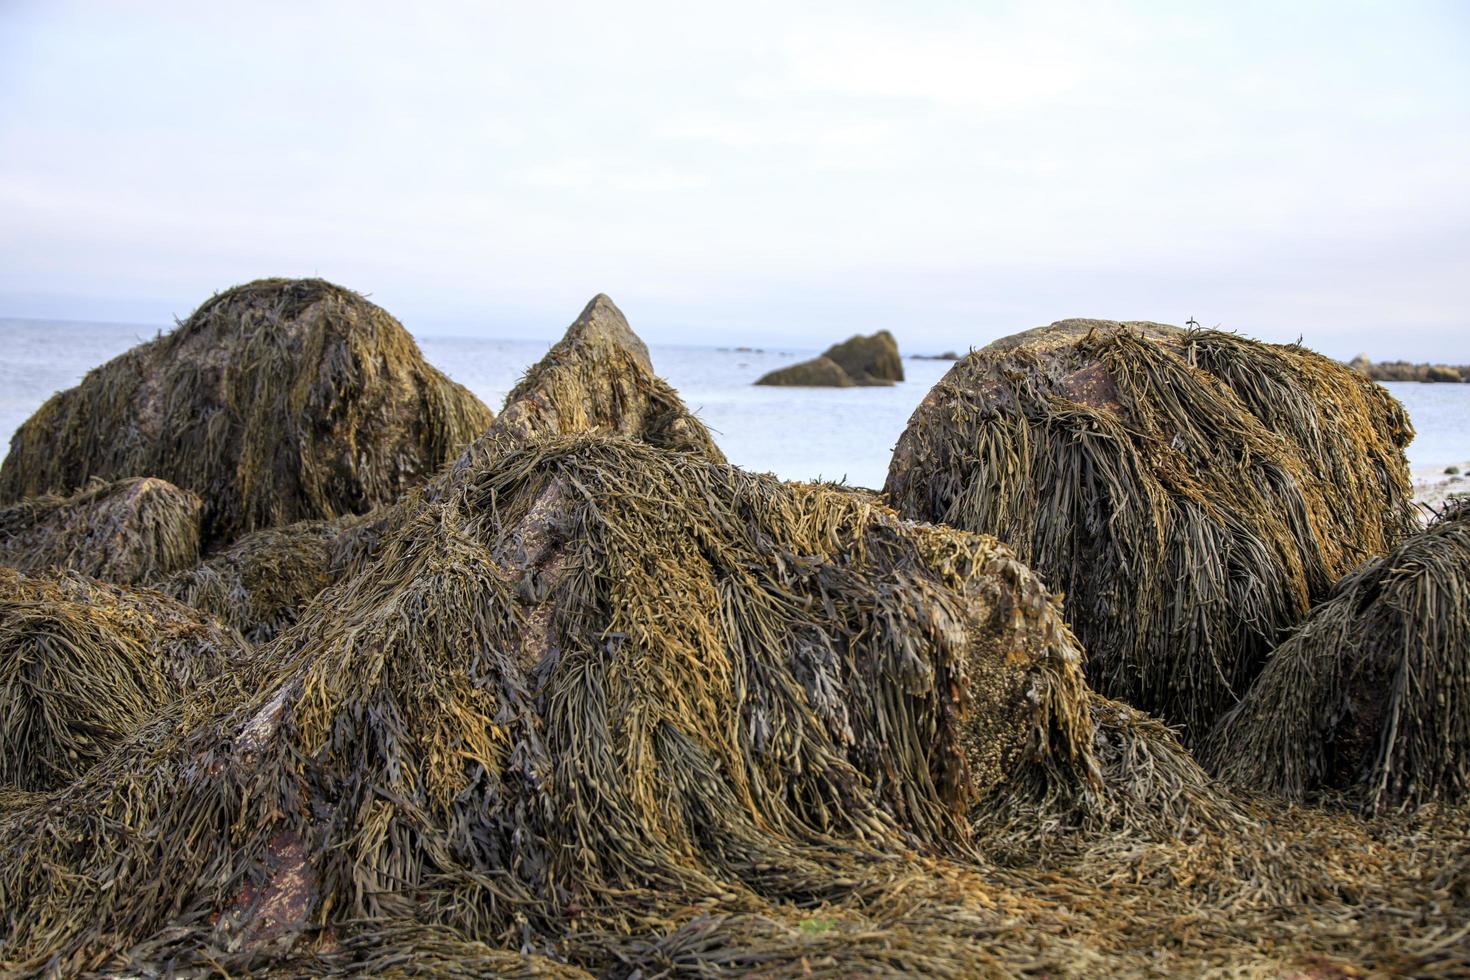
column 795, row 433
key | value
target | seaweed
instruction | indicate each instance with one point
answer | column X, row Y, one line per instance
column 1191, row 493
column 1370, row 696
column 597, row 378
column 597, row 681
column 277, row 401
column 259, row 584
column 593, row 702
column 83, row 663
column 125, row 532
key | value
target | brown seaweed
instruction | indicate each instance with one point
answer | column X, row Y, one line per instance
column 1191, row 493
column 277, row 401
column 126, row 532
column 611, row 708
column 1370, row 696
column 84, row 663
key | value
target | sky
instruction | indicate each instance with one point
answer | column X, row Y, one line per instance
column 752, row 172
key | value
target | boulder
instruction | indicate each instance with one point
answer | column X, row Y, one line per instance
column 870, row 360
column 277, row 401
column 127, row 532
column 1370, row 696
column 1190, row 493
column 819, row 372
column 83, row 664
column 597, row 379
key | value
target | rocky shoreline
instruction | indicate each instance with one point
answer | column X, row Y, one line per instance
column 1433, row 492
column 1407, row 371
column 312, row 664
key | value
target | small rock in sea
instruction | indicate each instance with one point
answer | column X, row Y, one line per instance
column 1452, row 470
column 819, row 372
column 858, row 360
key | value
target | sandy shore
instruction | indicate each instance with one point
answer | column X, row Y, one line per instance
column 1433, row 490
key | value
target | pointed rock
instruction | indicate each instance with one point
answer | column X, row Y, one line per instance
column 597, row 379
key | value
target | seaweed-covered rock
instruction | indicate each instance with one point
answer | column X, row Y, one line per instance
column 260, row 583
column 84, row 663
column 596, row 684
column 277, row 401
column 609, row 708
column 125, row 532
column 858, row 360
column 1371, row 694
column 1191, row 493
column 597, row 379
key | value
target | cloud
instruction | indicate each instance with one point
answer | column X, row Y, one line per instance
column 946, row 170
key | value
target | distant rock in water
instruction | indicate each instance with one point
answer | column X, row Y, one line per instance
column 1190, row 493
column 948, row 355
column 125, row 532
column 819, row 372
column 277, row 401
column 1405, row 371
column 866, row 361
column 871, row 360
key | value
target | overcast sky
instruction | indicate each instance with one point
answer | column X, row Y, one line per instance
column 751, row 172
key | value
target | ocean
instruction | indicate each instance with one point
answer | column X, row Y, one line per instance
column 796, row 433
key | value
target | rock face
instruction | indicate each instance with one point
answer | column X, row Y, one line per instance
column 84, row 663
column 1191, row 493
column 1371, row 695
column 277, row 401
column 126, row 532
column 872, row 360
